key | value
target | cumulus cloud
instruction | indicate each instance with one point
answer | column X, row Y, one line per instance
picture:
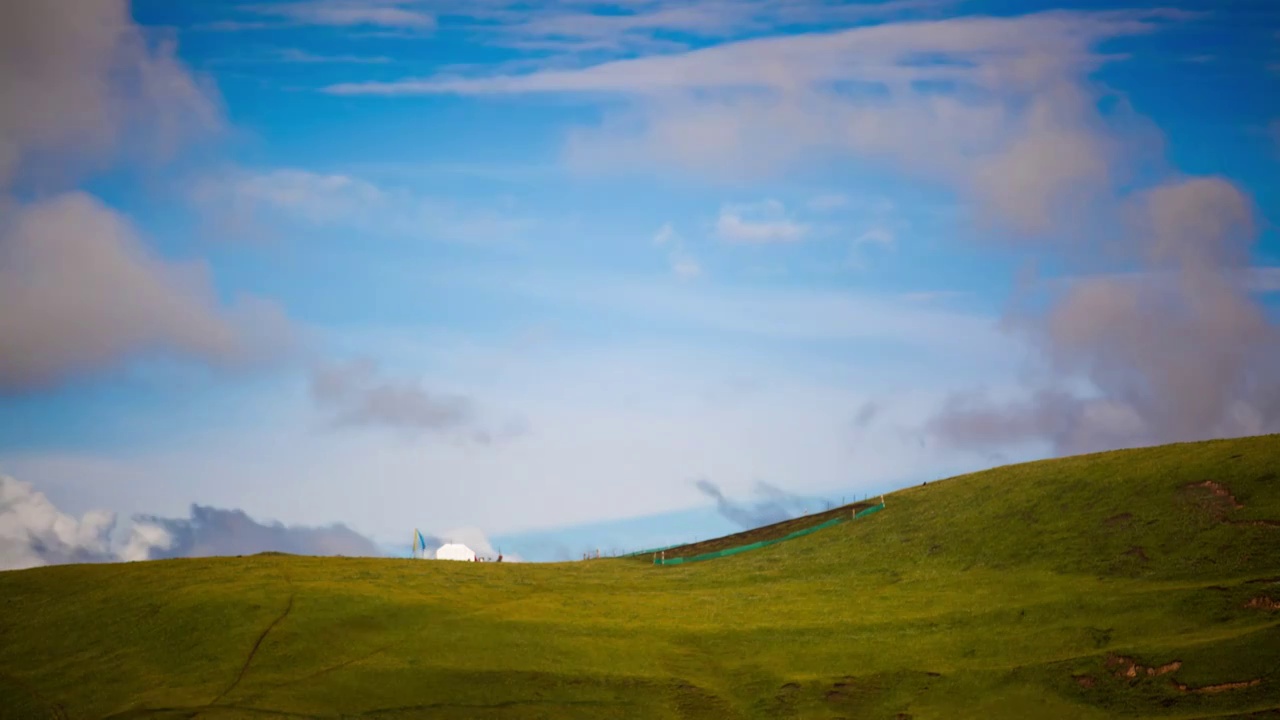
column 34, row 532
column 78, row 78
column 1180, row 353
column 80, row 293
column 83, row 86
column 355, row 393
column 213, row 532
column 776, row 505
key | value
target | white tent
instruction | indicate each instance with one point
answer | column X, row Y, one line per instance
column 455, row 551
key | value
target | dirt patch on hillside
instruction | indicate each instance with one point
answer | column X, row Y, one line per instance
column 694, row 701
column 1126, row 667
column 1138, row 553
column 841, row 690
column 1085, row 681
column 1217, row 491
column 1221, row 687
column 1215, row 499
column 1121, row 520
column 1263, row 602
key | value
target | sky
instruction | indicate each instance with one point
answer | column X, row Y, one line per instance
column 550, row 277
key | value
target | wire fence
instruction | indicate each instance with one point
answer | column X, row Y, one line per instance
column 660, row 559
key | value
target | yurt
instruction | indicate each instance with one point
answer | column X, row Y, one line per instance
column 455, row 551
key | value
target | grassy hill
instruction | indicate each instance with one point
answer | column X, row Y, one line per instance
column 1140, row 583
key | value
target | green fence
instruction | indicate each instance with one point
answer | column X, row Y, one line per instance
column 761, row 543
column 653, row 550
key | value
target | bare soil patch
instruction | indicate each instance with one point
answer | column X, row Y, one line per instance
column 1126, row 667
column 1121, row 520
column 1138, row 553
column 1219, row 492
column 1263, row 602
column 1215, row 499
column 1221, row 687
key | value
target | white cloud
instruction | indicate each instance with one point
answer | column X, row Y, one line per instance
column 758, row 224
column 79, row 79
column 666, row 235
column 1178, row 352
column 877, row 236
column 573, row 28
column 33, row 532
column 297, row 56
column 84, row 88
column 80, row 294
column 1008, row 117
column 395, row 14
column 241, row 203
column 683, row 264
column 294, row 55
column 885, row 53
column 358, row 394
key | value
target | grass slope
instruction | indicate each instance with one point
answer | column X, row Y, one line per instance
column 1110, row 585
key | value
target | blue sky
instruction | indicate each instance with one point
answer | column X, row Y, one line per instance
column 530, row 270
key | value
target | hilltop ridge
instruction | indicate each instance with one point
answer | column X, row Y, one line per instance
column 1137, row 583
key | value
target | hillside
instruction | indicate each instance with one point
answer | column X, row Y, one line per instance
column 1140, row 583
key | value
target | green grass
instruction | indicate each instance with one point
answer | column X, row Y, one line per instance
column 1000, row 594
